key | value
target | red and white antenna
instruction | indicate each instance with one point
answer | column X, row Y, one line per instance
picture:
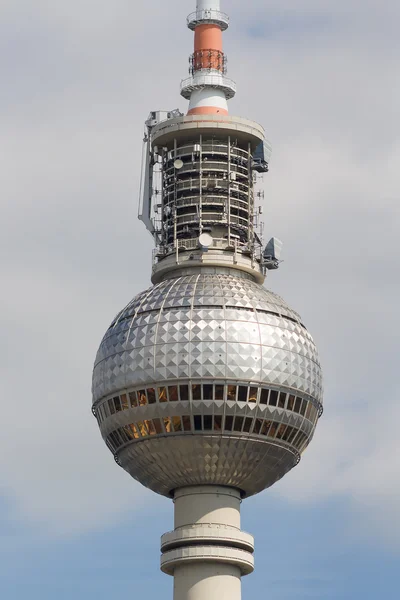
column 208, row 89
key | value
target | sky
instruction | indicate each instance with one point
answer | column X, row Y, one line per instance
column 78, row 81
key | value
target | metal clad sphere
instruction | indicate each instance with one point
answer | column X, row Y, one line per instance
column 207, row 378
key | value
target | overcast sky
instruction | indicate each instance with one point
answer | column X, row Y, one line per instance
column 78, row 80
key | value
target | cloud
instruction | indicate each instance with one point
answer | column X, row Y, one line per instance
column 80, row 80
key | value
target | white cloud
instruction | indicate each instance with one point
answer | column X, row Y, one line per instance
column 79, row 82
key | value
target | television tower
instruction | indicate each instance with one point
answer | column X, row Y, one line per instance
column 207, row 387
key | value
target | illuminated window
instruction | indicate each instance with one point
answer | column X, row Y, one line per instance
column 167, row 424
column 217, row 422
column 264, row 396
column 150, row 427
column 151, row 395
column 207, row 391
column 228, row 423
column 197, row 422
column 297, row 405
column 133, row 399
column 186, row 423
column 173, row 393
column 162, row 394
column 242, row 393
column 219, row 392
column 142, row 397
column 111, row 406
column 177, row 423
column 117, row 404
column 247, row 424
column 238, row 424
column 273, row 398
column 134, row 431
column 231, row 392
column 184, row 392
column 290, row 402
column 124, row 402
column 142, row 428
column 281, row 431
column 282, row 400
column 207, row 422
column 196, row 391
column 253, row 394
column 273, row 428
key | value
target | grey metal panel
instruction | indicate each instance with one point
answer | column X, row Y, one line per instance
column 214, row 327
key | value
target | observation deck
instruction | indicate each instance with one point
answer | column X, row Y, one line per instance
column 208, row 17
column 208, row 78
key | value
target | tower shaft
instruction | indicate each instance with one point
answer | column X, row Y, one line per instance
column 207, row 553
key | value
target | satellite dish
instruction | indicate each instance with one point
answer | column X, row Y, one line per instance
column 206, row 240
column 178, row 164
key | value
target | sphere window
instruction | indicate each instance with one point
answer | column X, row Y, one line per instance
column 217, row 422
column 208, row 422
column 111, row 406
column 308, row 411
column 151, row 395
column 158, row 426
column 142, row 428
column 231, row 392
column 282, row 400
column 273, row 429
column 196, row 392
column 228, row 423
column 207, row 391
column 197, row 423
column 287, row 433
column 247, row 424
column 150, row 427
column 167, row 424
column 290, row 402
column 117, row 404
column 177, row 423
column 219, row 392
column 184, row 392
column 253, row 394
column 238, row 424
column 273, row 398
column 186, row 423
column 133, row 399
column 264, row 396
column 173, row 393
column 297, row 405
column 162, row 394
column 142, row 398
column 281, row 431
column 257, row 426
column 124, row 402
column 303, row 408
column 242, row 393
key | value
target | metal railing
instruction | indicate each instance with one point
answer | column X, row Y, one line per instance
column 209, row 16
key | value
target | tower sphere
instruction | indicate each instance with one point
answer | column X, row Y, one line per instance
column 207, row 378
